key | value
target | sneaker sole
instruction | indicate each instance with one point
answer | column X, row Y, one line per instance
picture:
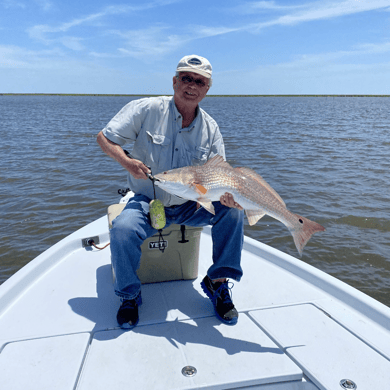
column 127, row 326
column 233, row 321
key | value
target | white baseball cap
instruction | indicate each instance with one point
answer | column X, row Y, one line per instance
column 195, row 64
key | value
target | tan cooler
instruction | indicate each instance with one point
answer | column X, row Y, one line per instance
column 180, row 258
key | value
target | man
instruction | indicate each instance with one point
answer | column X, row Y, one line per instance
column 171, row 133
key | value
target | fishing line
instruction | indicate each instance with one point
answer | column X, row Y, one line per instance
column 156, row 210
column 157, row 215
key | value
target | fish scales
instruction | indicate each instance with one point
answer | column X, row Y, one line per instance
column 230, row 180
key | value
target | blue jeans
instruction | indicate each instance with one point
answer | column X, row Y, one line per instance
column 132, row 227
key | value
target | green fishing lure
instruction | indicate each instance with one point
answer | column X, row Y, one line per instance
column 157, row 214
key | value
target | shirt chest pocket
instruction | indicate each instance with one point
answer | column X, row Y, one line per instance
column 198, row 155
column 158, row 147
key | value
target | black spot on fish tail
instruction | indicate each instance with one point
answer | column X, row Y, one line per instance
column 303, row 231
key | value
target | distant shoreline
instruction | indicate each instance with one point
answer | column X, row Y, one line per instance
column 144, row 95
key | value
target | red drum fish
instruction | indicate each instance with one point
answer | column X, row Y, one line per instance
column 207, row 183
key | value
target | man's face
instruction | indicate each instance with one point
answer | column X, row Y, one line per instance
column 190, row 88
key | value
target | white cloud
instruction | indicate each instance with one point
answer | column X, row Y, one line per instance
column 204, row 31
column 149, row 43
column 156, row 40
column 19, row 57
column 73, row 43
column 53, row 34
column 300, row 13
column 337, row 72
column 104, row 55
column 50, row 34
column 322, row 10
column 13, row 4
column 329, row 10
column 305, row 77
column 39, row 31
column 261, row 6
column 337, row 64
column 46, row 5
column 373, row 48
column 365, row 49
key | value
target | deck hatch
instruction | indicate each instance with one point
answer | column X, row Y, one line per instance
column 152, row 357
column 43, row 364
column 326, row 351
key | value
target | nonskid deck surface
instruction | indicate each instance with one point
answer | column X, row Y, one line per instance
column 61, row 329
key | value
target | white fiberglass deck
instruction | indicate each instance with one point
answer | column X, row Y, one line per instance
column 298, row 327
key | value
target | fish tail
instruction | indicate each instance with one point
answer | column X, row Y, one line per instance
column 302, row 230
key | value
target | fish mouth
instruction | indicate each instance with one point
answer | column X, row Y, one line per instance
column 152, row 178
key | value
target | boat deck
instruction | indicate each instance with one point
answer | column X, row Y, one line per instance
column 298, row 327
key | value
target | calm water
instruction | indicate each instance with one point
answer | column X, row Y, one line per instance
column 327, row 157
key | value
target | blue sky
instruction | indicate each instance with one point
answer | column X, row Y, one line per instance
column 255, row 47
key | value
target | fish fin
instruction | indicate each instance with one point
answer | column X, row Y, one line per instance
column 254, row 216
column 199, row 188
column 218, row 161
column 206, row 204
column 302, row 230
column 255, row 176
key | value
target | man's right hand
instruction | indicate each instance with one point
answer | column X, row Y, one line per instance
column 136, row 168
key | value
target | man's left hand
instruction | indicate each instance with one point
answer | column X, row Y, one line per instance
column 228, row 201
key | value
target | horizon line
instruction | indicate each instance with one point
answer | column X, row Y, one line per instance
column 219, row 95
